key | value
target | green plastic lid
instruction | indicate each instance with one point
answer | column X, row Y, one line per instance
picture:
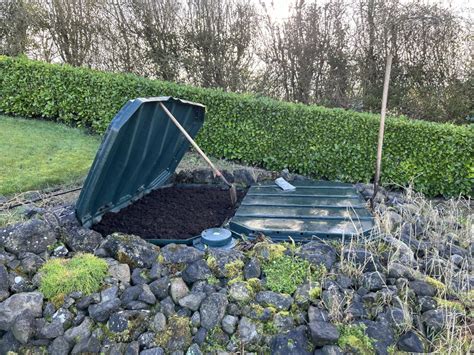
column 139, row 152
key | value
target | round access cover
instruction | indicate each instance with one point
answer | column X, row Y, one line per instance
column 215, row 238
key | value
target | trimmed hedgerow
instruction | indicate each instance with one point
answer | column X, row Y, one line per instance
column 325, row 143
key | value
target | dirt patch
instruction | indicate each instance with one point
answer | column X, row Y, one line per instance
column 172, row 213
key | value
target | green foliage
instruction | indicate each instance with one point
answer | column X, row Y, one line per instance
column 36, row 154
column 285, row 273
column 353, row 338
column 325, row 143
column 83, row 272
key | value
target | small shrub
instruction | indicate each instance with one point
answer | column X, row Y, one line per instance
column 353, row 338
column 83, row 272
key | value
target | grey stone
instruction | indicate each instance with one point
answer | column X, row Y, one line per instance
column 435, row 319
column 356, row 308
column 117, row 323
column 82, row 239
column 137, row 305
column 252, row 269
column 317, row 315
column 131, row 250
column 410, row 342
column 229, row 324
column 200, row 336
column 224, row 257
column 33, row 236
column 402, row 252
column 329, row 350
column 120, row 272
column 89, row 345
column 295, row 341
column 23, row 328
column 373, row 281
column 422, row 288
column 318, row 253
column 8, row 343
column 361, row 258
column 60, row 321
column 147, row 340
column 212, row 310
column 427, row 303
column 3, row 278
column 394, row 220
column 155, row 271
column 153, row 351
column 59, row 346
column 101, row 312
column 397, row 271
column 269, row 298
column 323, row 333
column 195, row 271
column 192, row 301
column 396, row 317
column 60, row 251
column 132, row 348
column 82, row 331
column 283, row 322
column 159, row 322
column 382, row 333
column 109, row 294
column 196, row 319
column 130, row 294
column 146, row 295
column 18, row 304
column 456, row 259
column 240, row 292
column 344, row 282
column 85, row 302
column 160, row 287
column 178, row 289
column 139, row 276
column 194, row 350
column 30, row 263
column 247, row 331
column 180, row 254
column 167, row 306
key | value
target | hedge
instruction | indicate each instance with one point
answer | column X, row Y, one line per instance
column 325, row 143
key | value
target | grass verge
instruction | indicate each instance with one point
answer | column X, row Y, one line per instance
column 37, row 154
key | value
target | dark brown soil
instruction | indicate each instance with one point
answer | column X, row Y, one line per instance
column 172, row 213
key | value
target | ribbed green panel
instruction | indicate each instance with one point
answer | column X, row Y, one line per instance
column 320, row 209
column 139, row 152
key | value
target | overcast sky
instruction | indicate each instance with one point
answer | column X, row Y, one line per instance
column 280, row 7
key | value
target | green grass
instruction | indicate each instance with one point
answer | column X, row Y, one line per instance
column 84, row 272
column 37, row 154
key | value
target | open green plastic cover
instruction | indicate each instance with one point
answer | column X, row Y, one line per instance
column 139, row 152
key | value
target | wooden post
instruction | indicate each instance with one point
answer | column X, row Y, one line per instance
column 378, row 165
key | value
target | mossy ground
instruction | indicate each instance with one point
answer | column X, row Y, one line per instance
column 354, row 339
column 83, row 272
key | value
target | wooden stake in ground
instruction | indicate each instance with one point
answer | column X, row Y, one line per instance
column 232, row 188
column 378, row 165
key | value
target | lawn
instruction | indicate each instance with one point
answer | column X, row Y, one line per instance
column 37, row 154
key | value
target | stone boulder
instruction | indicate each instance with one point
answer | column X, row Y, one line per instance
column 18, row 304
column 131, row 250
column 33, row 236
